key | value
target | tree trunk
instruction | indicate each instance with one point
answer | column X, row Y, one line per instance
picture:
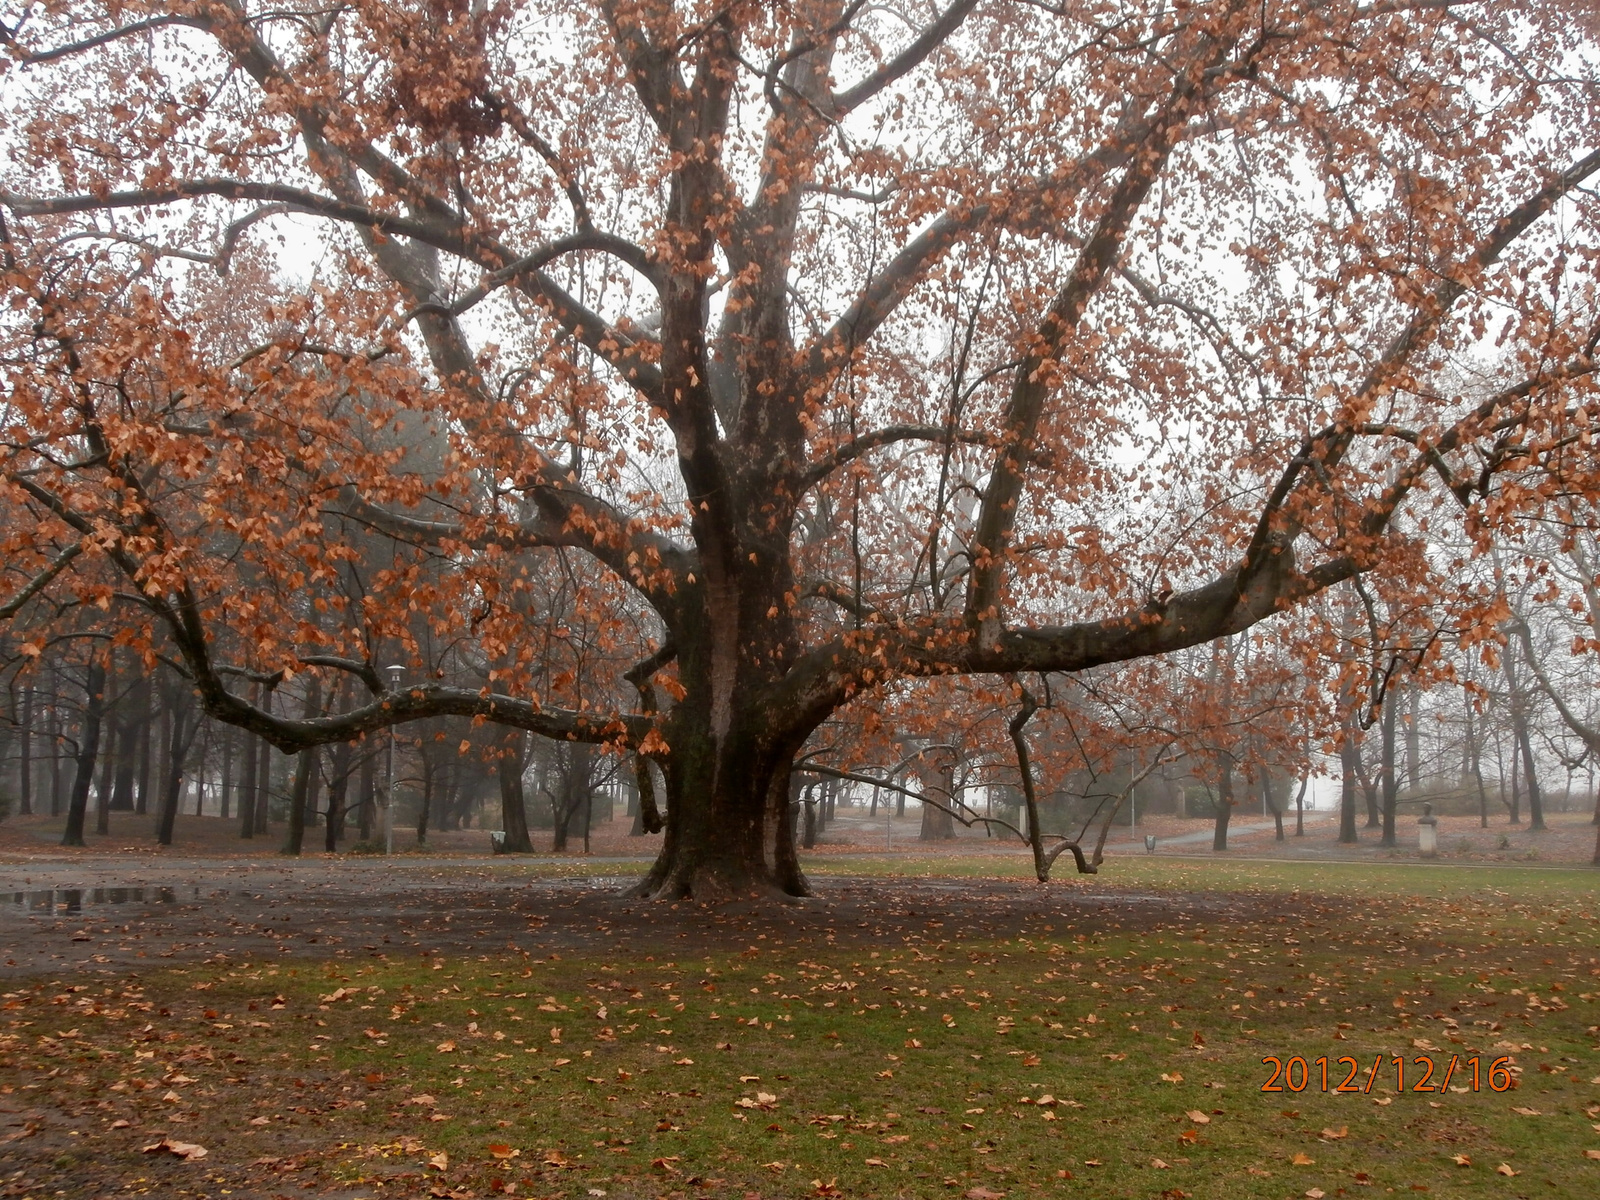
column 249, row 779
column 513, row 809
column 200, row 769
column 1387, row 778
column 1535, row 796
column 1413, row 736
column 1349, row 768
column 301, row 795
column 424, row 809
column 53, row 731
column 338, row 789
column 264, row 776
column 225, row 792
column 182, row 723
column 88, row 748
column 936, row 771
column 25, row 755
column 1272, row 805
column 133, row 740
column 367, row 812
column 1225, row 802
column 108, row 760
column 809, row 838
column 108, row 765
column 1300, row 806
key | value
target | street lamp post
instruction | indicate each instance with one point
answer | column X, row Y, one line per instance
column 395, row 672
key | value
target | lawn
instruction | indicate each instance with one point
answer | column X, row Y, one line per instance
column 896, row 1059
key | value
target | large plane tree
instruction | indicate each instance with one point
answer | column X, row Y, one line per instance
column 817, row 344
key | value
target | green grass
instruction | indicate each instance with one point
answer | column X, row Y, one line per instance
column 906, row 1065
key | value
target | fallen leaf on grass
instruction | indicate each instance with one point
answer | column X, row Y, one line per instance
column 1527, row 1112
column 876, row 1162
column 1158, row 1164
column 1175, row 1077
column 1461, row 1160
column 503, row 1151
column 187, row 1151
column 445, row 1047
column 1334, row 1135
column 1301, row 1159
column 439, row 1161
column 1505, row 1169
column 1198, row 1117
column 1316, row 1194
column 424, row 1098
column 981, row 1193
column 119, row 1123
column 1592, row 1154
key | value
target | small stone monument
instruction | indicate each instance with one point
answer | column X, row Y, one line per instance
column 1428, row 833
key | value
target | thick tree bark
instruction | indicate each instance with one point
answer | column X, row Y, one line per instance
column 513, row 808
column 1349, row 769
column 1225, row 802
column 88, row 748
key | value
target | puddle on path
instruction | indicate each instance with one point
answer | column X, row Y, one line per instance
column 72, row 901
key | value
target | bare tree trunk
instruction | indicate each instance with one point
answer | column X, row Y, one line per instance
column 1225, row 802
column 338, row 789
column 1386, row 776
column 200, row 768
column 182, row 723
column 88, row 748
column 1413, row 736
column 108, row 759
column 1349, row 769
column 53, row 732
column 263, row 810
column 513, row 810
column 25, row 761
column 1272, row 805
column 249, row 779
column 367, row 813
column 226, row 796
column 1300, row 806
column 307, row 768
column 424, row 810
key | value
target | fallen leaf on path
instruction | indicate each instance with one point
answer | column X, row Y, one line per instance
column 187, row 1151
